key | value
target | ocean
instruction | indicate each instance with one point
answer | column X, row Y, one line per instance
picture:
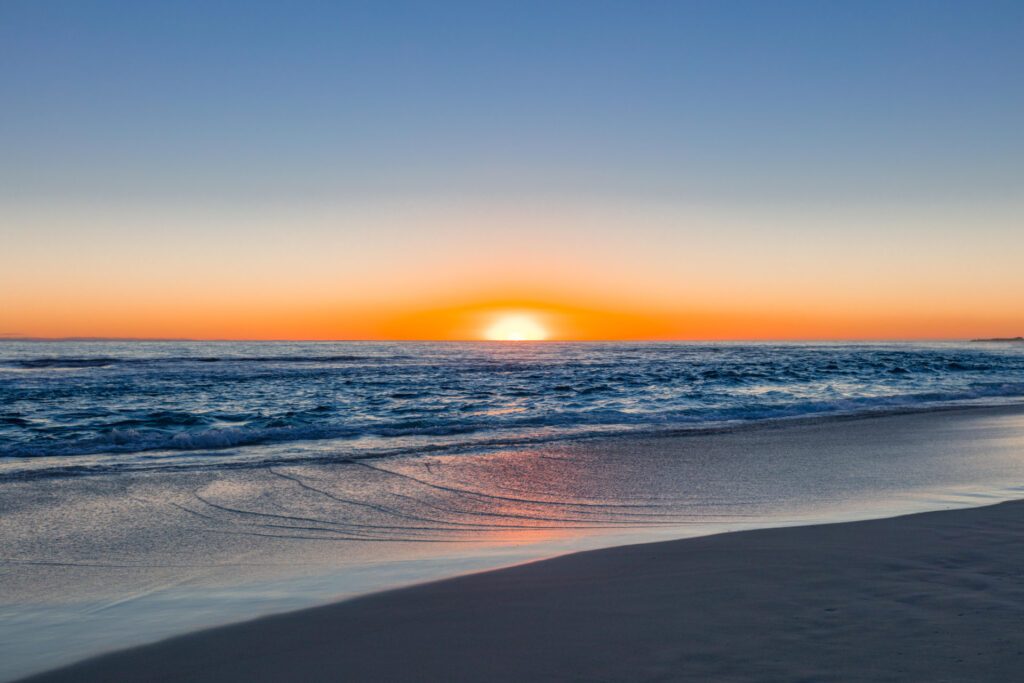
column 103, row 406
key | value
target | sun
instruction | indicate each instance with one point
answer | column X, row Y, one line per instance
column 516, row 328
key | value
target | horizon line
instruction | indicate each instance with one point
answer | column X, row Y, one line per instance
column 494, row 341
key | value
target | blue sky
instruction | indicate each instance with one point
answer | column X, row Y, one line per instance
column 696, row 100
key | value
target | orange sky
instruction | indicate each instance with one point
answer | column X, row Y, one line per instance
column 218, row 319
column 445, row 271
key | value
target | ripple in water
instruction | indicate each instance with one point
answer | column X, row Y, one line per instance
column 62, row 400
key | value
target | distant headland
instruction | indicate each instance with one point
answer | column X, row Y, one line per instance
column 1000, row 339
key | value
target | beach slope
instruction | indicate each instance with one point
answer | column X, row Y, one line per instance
column 936, row 596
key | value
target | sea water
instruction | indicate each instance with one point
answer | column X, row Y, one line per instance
column 204, row 403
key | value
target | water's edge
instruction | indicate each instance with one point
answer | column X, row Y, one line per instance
column 986, row 442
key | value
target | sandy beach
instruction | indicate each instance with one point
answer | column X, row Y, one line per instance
column 934, row 596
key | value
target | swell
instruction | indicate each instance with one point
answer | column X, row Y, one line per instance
column 54, row 362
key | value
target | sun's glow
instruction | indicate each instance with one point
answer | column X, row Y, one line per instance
column 516, row 328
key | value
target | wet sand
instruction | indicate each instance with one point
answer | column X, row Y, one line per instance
column 99, row 563
column 935, row 596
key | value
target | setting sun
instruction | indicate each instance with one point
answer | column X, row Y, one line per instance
column 516, row 328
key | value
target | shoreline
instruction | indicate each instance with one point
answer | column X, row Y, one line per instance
column 927, row 596
column 842, row 471
column 41, row 466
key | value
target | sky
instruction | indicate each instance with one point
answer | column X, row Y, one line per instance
column 426, row 170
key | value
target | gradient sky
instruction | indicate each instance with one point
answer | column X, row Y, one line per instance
column 661, row 170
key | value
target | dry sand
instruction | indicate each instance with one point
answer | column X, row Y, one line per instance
column 930, row 597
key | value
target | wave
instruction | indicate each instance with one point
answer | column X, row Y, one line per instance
column 141, row 436
column 33, row 363
column 101, row 362
column 103, row 463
